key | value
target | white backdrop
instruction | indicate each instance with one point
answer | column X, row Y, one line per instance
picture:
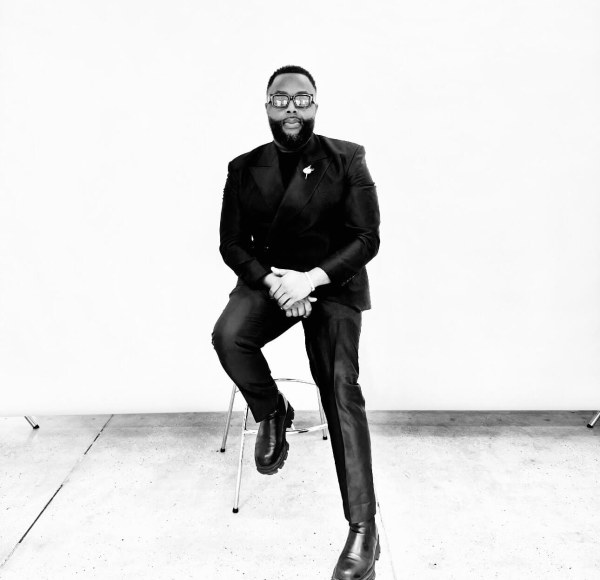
column 482, row 130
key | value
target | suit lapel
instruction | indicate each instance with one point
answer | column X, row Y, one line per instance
column 302, row 185
column 267, row 176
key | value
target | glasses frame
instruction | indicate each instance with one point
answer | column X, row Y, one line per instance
column 292, row 97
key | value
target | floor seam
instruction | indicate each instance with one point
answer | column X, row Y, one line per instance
column 76, row 464
column 384, row 533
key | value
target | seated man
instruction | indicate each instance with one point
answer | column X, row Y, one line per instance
column 300, row 219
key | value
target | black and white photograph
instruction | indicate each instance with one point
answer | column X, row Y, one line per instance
column 302, row 291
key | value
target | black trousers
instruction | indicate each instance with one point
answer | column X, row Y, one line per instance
column 250, row 320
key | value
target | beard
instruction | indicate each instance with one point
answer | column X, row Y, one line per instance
column 292, row 142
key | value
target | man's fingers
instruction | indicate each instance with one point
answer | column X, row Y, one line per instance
column 284, row 298
column 274, row 289
column 286, row 304
column 282, row 291
column 307, row 308
column 311, row 299
column 294, row 310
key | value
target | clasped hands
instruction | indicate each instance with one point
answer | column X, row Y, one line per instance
column 291, row 289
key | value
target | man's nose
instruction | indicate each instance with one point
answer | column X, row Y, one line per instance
column 291, row 108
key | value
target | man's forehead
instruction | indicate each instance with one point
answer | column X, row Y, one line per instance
column 291, row 83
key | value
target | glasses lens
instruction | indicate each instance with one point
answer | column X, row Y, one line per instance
column 280, row 101
column 302, row 101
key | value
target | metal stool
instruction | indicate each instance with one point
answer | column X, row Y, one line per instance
column 246, row 431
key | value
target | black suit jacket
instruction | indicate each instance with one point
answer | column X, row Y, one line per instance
column 328, row 217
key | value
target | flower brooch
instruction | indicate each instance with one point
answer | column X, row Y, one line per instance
column 307, row 171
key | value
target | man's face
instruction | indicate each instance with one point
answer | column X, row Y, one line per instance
column 291, row 126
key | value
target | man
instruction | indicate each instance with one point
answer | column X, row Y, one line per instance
column 300, row 219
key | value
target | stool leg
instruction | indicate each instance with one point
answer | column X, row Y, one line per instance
column 228, row 420
column 32, row 421
column 594, row 419
column 321, row 413
column 236, row 501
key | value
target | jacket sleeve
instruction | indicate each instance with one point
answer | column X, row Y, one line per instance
column 236, row 240
column 361, row 223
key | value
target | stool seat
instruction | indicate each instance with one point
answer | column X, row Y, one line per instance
column 245, row 431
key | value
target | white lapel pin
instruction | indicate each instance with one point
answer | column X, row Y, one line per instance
column 307, row 171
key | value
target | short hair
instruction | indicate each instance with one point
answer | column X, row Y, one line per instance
column 292, row 69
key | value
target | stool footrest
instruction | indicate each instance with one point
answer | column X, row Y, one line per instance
column 292, row 431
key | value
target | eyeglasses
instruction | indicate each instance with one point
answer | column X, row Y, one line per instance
column 301, row 100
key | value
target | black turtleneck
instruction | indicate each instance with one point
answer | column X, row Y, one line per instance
column 288, row 161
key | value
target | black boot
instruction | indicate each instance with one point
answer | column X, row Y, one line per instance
column 357, row 560
column 271, row 449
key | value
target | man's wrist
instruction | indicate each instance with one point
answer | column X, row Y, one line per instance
column 309, row 280
column 318, row 276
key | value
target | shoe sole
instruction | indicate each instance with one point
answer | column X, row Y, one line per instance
column 370, row 574
column 278, row 464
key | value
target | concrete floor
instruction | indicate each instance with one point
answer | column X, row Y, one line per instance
column 461, row 495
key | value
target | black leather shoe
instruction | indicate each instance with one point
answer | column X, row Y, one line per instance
column 271, row 449
column 357, row 560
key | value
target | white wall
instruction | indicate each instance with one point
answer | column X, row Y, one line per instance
column 482, row 129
